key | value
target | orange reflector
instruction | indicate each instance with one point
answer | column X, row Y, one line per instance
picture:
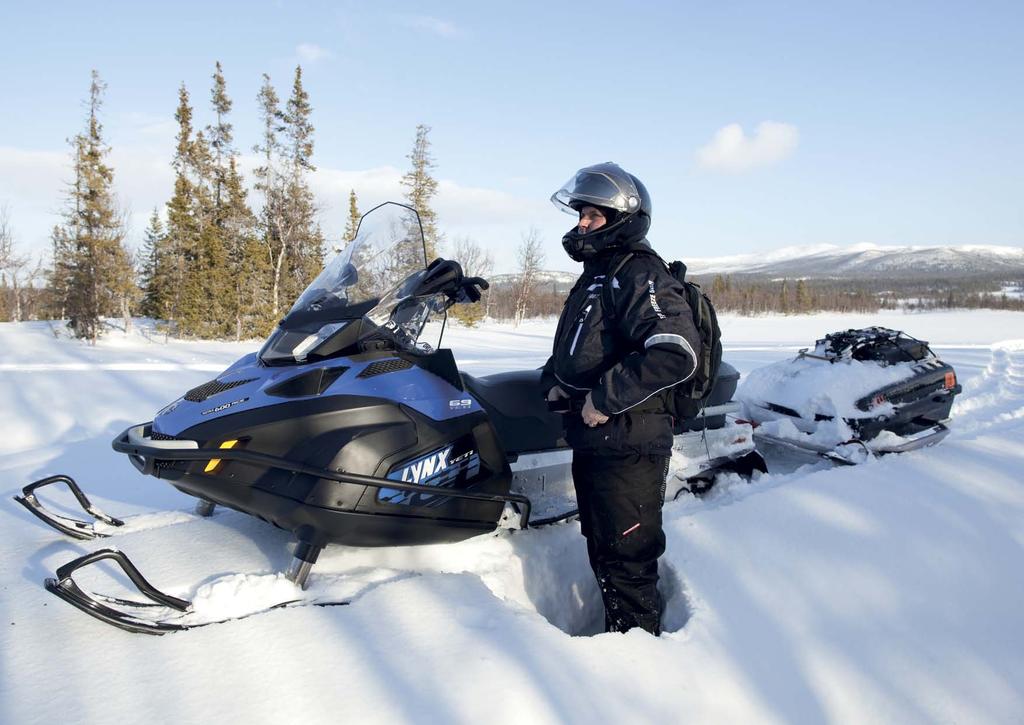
column 950, row 382
column 214, row 462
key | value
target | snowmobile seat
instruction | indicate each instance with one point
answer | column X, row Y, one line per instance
column 516, row 406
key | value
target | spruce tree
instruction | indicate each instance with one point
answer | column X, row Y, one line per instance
column 803, row 296
column 269, row 182
column 90, row 255
column 421, row 188
column 157, row 270
column 194, row 233
column 353, row 216
column 220, row 135
column 306, row 256
column 248, row 263
column 292, row 237
column 182, row 227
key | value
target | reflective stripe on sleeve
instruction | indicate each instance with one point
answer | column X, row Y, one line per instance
column 668, row 338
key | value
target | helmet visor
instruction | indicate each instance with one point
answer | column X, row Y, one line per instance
column 602, row 185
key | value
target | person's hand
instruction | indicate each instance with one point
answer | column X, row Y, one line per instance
column 556, row 393
column 591, row 415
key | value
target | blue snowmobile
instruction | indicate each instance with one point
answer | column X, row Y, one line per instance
column 349, row 427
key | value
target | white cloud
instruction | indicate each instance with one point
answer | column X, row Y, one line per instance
column 311, row 53
column 437, row 26
column 730, row 149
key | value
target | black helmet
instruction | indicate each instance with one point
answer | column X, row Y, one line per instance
column 610, row 189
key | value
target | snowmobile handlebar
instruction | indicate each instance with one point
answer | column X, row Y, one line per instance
column 144, row 456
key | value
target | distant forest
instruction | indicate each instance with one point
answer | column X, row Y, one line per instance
column 752, row 295
column 225, row 258
column 755, row 295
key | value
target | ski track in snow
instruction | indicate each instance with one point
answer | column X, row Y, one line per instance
column 766, row 621
column 997, row 395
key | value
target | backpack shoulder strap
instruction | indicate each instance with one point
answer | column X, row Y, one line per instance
column 614, row 268
column 608, row 301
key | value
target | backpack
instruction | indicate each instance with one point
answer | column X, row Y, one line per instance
column 687, row 399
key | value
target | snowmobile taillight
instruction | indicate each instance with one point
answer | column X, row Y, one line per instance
column 215, row 462
column 950, row 381
column 879, row 399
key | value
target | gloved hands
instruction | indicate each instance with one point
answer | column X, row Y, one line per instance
column 471, row 289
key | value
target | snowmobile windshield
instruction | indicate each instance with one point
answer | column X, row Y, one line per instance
column 601, row 185
column 387, row 248
column 370, row 289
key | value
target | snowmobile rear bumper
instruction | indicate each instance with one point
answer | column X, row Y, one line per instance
column 144, row 452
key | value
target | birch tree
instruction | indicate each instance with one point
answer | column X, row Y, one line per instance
column 531, row 261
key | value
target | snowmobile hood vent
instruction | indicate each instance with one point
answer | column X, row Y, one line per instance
column 313, row 382
column 214, row 387
column 382, row 367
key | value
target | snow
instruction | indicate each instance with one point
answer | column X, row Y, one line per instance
column 889, row 591
column 810, row 386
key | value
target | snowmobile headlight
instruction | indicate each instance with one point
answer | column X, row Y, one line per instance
column 299, row 351
column 215, row 462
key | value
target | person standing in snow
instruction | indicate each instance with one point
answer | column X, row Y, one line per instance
column 616, row 354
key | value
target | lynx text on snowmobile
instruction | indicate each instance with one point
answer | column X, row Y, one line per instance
column 348, row 427
column 858, row 393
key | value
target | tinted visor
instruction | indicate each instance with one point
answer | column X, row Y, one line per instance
column 602, row 185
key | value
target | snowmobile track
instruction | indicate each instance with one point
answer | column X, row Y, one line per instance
column 996, row 396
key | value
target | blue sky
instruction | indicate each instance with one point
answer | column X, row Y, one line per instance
column 754, row 125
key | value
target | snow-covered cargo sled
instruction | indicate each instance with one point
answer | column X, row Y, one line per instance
column 857, row 393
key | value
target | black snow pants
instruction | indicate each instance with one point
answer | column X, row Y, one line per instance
column 620, row 498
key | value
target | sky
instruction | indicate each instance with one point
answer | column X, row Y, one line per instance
column 754, row 125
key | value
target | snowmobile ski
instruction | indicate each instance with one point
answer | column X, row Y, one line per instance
column 104, row 525
column 856, row 451
column 833, row 455
column 162, row 613
column 72, row 527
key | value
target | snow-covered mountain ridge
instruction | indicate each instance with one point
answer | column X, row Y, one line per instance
column 862, row 260
column 831, row 260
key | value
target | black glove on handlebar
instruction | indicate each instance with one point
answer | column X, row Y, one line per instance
column 471, row 290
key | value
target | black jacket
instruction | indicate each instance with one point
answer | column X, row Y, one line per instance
column 625, row 357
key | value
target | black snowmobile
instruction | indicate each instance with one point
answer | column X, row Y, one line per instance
column 858, row 393
column 347, row 427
